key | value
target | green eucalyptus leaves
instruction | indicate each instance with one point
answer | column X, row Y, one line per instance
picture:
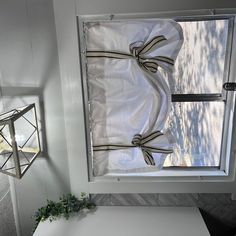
column 66, row 205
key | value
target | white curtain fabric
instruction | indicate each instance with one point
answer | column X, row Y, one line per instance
column 125, row 99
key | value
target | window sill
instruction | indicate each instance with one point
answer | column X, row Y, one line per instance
column 174, row 173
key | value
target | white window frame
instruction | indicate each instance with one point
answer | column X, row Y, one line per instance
column 229, row 109
column 69, row 69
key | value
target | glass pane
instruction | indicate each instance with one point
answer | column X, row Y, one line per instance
column 197, row 129
column 8, row 115
column 26, row 137
column 5, row 139
column 199, row 67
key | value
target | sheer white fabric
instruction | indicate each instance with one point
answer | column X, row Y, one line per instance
column 124, row 98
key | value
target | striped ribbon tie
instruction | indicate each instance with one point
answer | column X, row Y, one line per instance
column 139, row 51
column 142, row 142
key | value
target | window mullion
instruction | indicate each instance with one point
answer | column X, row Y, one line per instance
column 196, row 97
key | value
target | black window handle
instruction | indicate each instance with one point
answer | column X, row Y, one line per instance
column 229, row 86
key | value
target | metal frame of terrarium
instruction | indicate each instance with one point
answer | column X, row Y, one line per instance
column 9, row 120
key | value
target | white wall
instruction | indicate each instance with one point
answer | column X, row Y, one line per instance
column 29, row 72
column 134, row 6
column 65, row 20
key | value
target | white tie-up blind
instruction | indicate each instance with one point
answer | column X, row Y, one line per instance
column 127, row 66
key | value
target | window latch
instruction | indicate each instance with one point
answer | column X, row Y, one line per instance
column 230, row 86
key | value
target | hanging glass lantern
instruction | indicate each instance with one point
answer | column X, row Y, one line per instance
column 19, row 140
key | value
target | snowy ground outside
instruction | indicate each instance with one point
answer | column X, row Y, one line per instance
column 197, row 126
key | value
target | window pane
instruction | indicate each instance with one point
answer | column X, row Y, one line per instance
column 197, row 128
column 199, row 67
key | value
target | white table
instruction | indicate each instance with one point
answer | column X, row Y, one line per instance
column 129, row 221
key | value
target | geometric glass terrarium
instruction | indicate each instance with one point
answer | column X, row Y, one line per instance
column 19, row 140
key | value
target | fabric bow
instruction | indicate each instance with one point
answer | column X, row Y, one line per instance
column 140, row 52
column 143, row 142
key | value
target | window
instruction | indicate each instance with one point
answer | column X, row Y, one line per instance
column 201, row 117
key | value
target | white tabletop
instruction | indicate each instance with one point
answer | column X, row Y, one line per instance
column 130, row 221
